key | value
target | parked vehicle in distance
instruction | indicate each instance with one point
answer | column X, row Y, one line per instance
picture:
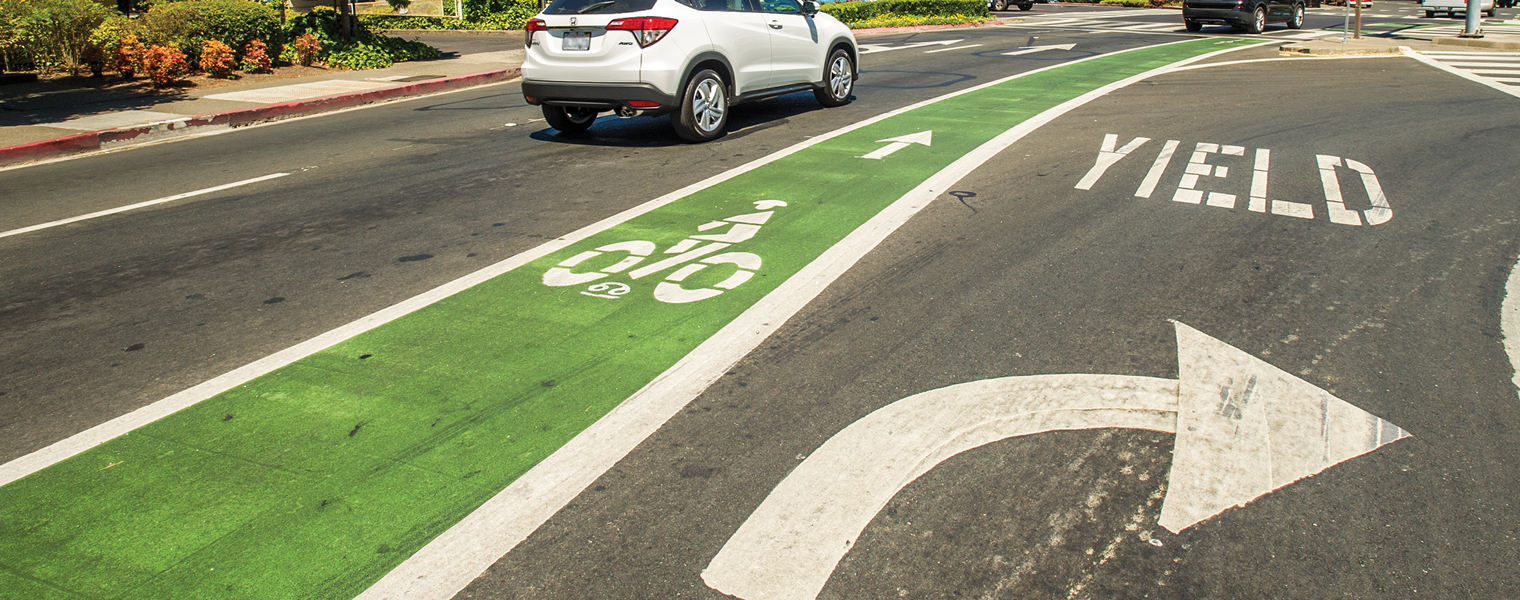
column 1250, row 15
column 1004, row 4
column 1453, row 7
column 691, row 59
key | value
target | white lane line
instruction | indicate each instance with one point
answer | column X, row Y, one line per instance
column 122, row 209
column 1509, row 320
column 1465, row 74
column 452, row 560
column 949, row 49
column 1469, row 54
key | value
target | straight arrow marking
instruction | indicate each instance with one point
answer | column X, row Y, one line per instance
column 1243, row 429
column 900, row 142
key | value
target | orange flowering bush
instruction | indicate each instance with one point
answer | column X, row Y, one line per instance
column 216, row 59
column 129, row 57
column 255, row 58
column 307, row 46
column 164, row 65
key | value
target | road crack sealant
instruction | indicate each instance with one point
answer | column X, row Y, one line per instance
column 317, row 476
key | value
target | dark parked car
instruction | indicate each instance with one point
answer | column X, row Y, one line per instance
column 1004, row 4
column 1250, row 15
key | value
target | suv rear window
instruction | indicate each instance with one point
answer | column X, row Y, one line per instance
column 600, row 7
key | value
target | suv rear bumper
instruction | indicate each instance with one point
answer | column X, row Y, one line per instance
column 606, row 96
column 1217, row 15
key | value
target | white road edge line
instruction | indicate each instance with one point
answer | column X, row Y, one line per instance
column 1464, row 74
column 452, row 560
column 1509, row 321
column 129, row 207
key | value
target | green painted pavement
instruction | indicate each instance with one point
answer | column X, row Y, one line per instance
column 315, row 480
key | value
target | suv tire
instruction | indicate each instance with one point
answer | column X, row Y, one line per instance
column 704, row 108
column 1026, row 6
column 838, row 80
column 1258, row 20
column 1297, row 20
column 569, row 119
column 1192, row 25
column 999, row 4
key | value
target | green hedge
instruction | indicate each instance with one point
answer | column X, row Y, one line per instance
column 367, row 50
column 870, row 13
column 187, row 25
column 497, row 14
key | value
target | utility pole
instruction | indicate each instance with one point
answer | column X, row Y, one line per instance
column 1358, row 34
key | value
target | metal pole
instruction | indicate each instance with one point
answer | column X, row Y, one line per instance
column 1346, row 23
column 1474, row 28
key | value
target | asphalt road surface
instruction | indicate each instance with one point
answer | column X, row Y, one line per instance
column 1347, row 223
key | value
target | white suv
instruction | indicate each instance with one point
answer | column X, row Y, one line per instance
column 694, row 58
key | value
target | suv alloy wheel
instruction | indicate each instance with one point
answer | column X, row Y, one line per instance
column 839, row 81
column 1258, row 20
column 704, row 108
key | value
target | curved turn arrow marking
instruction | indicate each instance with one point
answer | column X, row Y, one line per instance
column 1244, row 428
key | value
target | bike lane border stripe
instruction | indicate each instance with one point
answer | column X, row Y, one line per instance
column 447, row 564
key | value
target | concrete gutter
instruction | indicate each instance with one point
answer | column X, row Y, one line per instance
column 139, row 134
column 1495, row 42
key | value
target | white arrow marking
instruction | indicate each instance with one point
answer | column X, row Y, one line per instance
column 900, row 142
column 870, row 48
column 1244, row 428
column 1033, row 49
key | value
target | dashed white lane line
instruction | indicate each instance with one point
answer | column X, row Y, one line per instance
column 122, row 209
column 949, row 49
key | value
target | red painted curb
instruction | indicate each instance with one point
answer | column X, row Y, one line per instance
column 95, row 140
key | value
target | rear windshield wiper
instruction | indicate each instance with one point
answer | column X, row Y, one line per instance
column 597, row 6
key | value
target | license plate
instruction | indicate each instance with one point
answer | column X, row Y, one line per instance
column 577, row 40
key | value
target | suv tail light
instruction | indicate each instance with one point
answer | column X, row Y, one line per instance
column 534, row 25
column 646, row 30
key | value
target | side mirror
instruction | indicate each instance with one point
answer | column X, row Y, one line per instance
column 809, row 7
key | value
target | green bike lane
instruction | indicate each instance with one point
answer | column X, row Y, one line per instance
column 315, row 480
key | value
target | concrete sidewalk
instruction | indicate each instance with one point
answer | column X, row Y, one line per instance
column 42, row 120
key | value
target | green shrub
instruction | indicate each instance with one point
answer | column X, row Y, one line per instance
column 891, row 20
column 57, row 32
column 187, row 25
column 359, row 56
column 859, row 15
column 511, row 15
column 321, row 22
column 367, row 50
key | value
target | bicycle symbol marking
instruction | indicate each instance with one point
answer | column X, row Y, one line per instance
column 691, row 256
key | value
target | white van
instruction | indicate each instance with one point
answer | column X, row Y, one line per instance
column 1452, row 7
